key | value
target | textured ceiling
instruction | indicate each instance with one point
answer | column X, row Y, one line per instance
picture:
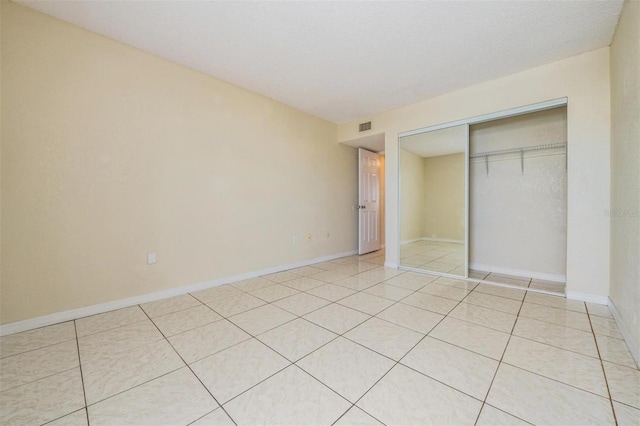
column 346, row 60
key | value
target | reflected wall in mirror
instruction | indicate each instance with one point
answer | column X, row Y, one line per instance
column 433, row 201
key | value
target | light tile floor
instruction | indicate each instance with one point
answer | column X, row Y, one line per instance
column 448, row 258
column 345, row 342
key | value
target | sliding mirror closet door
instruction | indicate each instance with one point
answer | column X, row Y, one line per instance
column 433, row 200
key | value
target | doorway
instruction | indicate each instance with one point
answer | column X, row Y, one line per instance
column 374, row 143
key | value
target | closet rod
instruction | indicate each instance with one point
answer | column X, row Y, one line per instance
column 522, row 149
column 519, row 150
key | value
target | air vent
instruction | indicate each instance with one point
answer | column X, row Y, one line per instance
column 365, row 126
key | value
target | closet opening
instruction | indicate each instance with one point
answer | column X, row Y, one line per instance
column 518, row 200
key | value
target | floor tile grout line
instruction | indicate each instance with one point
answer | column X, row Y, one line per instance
column 396, row 364
column 599, row 358
column 626, row 404
column 167, row 339
column 140, row 384
column 304, row 356
column 363, row 290
column 554, row 346
column 550, row 378
column 553, row 379
column 566, row 349
column 84, row 392
column 194, row 328
column 48, row 422
column 39, row 379
column 345, row 413
column 500, row 361
column 113, row 328
column 480, row 325
column 517, row 287
column 163, row 338
column 173, row 311
column 438, row 380
column 604, row 373
column 388, row 307
column 190, row 369
column 401, row 358
column 506, row 412
column 370, row 349
column 210, row 412
column 487, row 307
column 176, row 311
column 290, row 363
column 297, row 317
column 555, row 323
column 554, row 307
column 132, row 387
column 259, row 382
column 265, row 344
column 477, row 289
column 41, row 347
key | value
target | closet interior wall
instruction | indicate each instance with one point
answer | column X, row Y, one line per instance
column 518, row 201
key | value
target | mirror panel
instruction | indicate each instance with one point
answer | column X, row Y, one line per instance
column 433, row 201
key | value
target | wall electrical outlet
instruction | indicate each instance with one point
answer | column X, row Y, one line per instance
column 294, row 239
column 152, row 258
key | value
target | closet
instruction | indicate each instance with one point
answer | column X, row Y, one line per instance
column 486, row 197
column 518, row 200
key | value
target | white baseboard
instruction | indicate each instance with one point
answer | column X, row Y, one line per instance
column 518, row 272
column 632, row 344
column 58, row 317
column 589, row 298
column 391, row 265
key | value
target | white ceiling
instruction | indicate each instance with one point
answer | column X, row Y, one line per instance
column 345, row 60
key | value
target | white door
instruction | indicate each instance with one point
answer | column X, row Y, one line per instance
column 368, row 201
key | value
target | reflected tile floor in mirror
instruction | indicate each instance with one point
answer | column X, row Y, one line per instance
column 438, row 256
column 342, row 342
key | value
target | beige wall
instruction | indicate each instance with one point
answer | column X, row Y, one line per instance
column 412, row 207
column 444, row 196
column 625, row 174
column 109, row 153
column 584, row 80
column 518, row 220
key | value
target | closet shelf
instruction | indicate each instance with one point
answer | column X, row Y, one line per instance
column 521, row 150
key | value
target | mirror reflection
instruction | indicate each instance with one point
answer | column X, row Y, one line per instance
column 432, row 201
